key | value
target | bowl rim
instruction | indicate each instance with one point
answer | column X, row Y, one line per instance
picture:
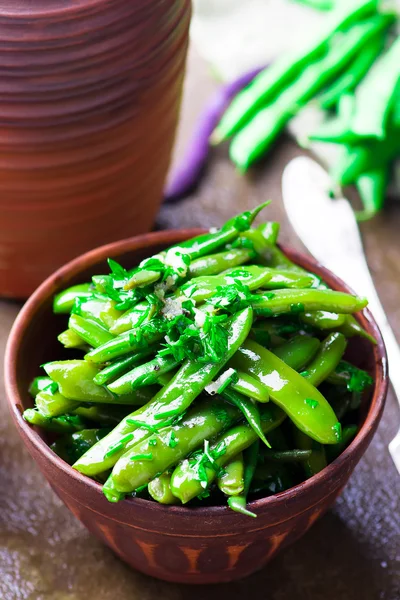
column 168, row 237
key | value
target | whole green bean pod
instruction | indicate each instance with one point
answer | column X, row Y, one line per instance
column 214, row 264
column 91, row 332
column 141, row 463
column 231, row 481
column 160, row 490
column 351, row 328
column 170, row 401
column 250, row 387
column 301, row 401
column 266, row 86
column 298, row 301
column 265, row 234
column 75, row 379
column 258, row 135
column 64, row 301
column 327, row 359
column 193, row 475
column 239, row 503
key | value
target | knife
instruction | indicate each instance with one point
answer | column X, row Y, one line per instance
column 329, row 230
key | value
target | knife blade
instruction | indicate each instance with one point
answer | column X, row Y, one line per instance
column 328, row 229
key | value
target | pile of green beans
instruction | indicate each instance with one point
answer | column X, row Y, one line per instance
column 352, row 68
column 203, row 373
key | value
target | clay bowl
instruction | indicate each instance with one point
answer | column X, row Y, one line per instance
column 198, row 545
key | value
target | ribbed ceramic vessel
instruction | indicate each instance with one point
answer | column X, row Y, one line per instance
column 176, row 543
column 89, row 100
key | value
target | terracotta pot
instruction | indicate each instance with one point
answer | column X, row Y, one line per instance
column 89, row 99
column 198, row 545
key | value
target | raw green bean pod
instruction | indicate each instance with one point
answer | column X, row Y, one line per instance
column 214, row 264
column 302, row 402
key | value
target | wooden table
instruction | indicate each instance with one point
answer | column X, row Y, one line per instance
column 353, row 553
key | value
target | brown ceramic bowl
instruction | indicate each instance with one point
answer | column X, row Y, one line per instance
column 190, row 545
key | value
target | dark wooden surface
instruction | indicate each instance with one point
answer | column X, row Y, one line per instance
column 353, row 553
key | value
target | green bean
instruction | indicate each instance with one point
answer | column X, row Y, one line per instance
column 99, row 309
column 119, row 367
column 239, row 503
column 193, row 475
column 170, row 401
column 91, row 332
column 141, row 463
column 39, row 384
column 322, row 319
column 298, row 351
column 142, row 375
column 64, row 424
column 64, row 301
column 298, row 301
column 375, row 94
column 160, row 490
column 54, row 404
column 250, row 387
column 258, row 135
column 266, row 86
column 231, row 482
column 289, row 279
column 200, row 289
column 75, row 379
column 301, row 401
column 327, row 359
column 126, row 343
column 214, row 264
column 353, row 74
